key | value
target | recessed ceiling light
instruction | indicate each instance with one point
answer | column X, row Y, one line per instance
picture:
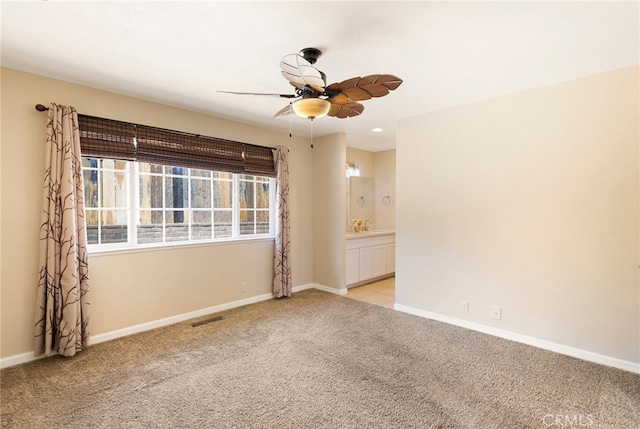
column 376, row 130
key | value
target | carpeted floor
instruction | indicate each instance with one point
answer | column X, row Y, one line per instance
column 316, row 361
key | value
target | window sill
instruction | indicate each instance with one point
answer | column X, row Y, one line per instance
column 172, row 246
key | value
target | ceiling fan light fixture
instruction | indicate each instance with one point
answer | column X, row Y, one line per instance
column 311, row 108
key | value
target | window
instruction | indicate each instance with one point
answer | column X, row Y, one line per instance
column 131, row 203
column 107, row 200
column 152, row 186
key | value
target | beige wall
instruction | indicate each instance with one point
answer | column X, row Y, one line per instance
column 381, row 166
column 141, row 286
column 329, row 247
column 385, row 186
column 528, row 201
column 363, row 159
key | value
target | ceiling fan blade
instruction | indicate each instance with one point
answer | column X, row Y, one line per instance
column 286, row 110
column 261, row 93
column 356, row 94
column 349, row 83
column 339, row 98
column 347, row 110
column 379, row 85
column 388, row 80
column 301, row 73
column 364, row 88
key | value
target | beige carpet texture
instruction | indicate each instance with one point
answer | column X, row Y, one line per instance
column 316, row 360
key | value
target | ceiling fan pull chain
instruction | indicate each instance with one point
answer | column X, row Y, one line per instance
column 311, row 133
column 290, row 113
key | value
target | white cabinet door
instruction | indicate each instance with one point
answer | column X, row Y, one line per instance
column 391, row 258
column 379, row 260
column 370, row 257
column 366, row 263
column 353, row 266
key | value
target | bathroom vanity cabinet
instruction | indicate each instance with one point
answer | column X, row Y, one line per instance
column 370, row 256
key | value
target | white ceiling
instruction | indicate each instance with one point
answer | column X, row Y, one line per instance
column 447, row 53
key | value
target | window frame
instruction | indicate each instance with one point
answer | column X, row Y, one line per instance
column 132, row 176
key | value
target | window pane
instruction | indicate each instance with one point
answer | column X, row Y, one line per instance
column 245, row 195
column 176, row 192
column 222, row 224
column 150, row 191
column 114, row 228
column 201, row 225
column 91, row 218
column 150, row 227
column 178, row 171
column 200, row 173
column 113, row 164
column 113, row 192
column 90, row 178
column 145, row 167
column 148, row 217
column 113, row 217
column 107, row 163
column 262, row 222
column 220, row 175
column 262, row 195
column 245, row 177
column 89, row 162
column 176, row 228
column 222, row 194
column 175, row 216
column 246, row 222
column 200, row 193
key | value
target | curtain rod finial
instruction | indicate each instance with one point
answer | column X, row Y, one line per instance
column 41, row 108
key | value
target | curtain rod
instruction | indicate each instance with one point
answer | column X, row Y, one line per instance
column 43, row 108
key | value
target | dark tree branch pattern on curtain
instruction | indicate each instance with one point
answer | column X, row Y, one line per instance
column 282, row 286
column 62, row 307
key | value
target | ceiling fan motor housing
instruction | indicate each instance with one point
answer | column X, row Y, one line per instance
column 310, row 54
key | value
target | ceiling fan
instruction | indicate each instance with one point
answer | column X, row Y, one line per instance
column 315, row 99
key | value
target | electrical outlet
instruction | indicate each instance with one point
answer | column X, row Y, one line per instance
column 496, row 312
column 243, row 287
column 464, row 306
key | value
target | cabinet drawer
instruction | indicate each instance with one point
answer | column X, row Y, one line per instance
column 384, row 239
column 356, row 243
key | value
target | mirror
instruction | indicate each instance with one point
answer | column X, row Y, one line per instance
column 360, row 202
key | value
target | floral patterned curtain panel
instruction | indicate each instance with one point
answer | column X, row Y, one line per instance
column 62, row 307
column 281, row 260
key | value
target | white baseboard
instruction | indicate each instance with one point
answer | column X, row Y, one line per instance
column 302, row 287
column 525, row 339
column 28, row 357
column 176, row 319
column 329, row 289
column 18, row 359
column 95, row 339
column 536, row 342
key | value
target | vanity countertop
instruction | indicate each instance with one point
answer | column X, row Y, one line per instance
column 372, row 233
